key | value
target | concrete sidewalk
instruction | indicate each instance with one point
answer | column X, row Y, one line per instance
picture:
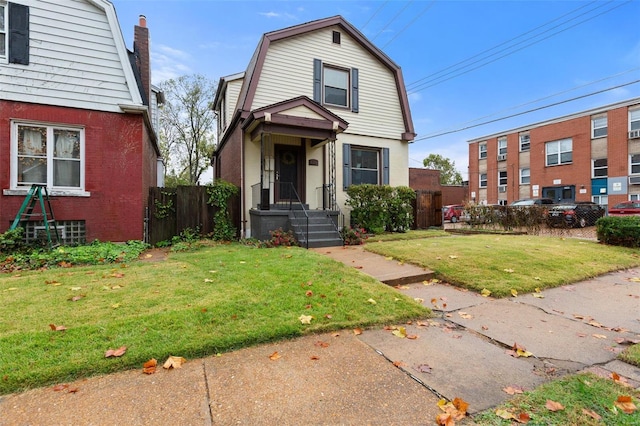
column 374, row 378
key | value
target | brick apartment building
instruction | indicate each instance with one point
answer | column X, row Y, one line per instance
column 589, row 156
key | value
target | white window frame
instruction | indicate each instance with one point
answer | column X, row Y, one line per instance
column 525, row 176
column 635, row 164
column 502, row 178
column 525, row 142
column 599, row 127
column 602, row 200
column 50, row 158
column 5, row 29
column 482, row 182
column 556, row 148
column 482, row 150
column 634, row 119
column 634, row 197
column 502, row 145
column 347, row 89
column 599, row 167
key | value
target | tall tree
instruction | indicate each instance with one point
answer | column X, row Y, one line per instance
column 448, row 173
column 187, row 128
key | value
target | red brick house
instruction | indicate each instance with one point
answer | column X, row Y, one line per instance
column 75, row 115
column 592, row 155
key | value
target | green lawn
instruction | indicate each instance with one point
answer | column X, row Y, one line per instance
column 501, row 263
column 194, row 304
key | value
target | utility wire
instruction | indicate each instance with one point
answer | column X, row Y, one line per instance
column 392, row 19
column 498, row 45
column 410, row 23
column 374, row 15
column 528, row 111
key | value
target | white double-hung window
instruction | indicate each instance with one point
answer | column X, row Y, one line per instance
column 45, row 154
column 3, row 30
column 559, row 152
column 336, row 86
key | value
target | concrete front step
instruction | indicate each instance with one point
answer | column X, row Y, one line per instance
column 318, row 228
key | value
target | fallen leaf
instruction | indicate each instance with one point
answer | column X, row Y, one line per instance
column 591, row 414
column 174, row 362
column 423, row 368
column 400, row 332
column 357, row 331
column 309, row 293
column 634, row 279
column 115, row 352
column 485, row 292
column 465, row 315
column 73, row 390
column 60, row 387
column 305, row 319
column 538, row 295
column 328, row 316
column 453, row 256
column 625, row 403
column 599, row 336
column 208, row 280
column 75, row 288
column 321, row 344
column 523, row 418
column 149, row 367
column 57, row 327
column 373, row 302
column 76, row 298
column 412, row 336
column 514, row 292
column 419, row 300
column 508, row 270
column 461, row 405
column 512, row 390
column 51, row 282
column 504, row 414
column 315, row 357
column 115, row 306
column 445, row 419
column 595, row 324
column 553, row 405
column 485, row 328
column 399, row 364
column 274, row 356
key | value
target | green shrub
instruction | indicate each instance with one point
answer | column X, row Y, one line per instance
column 379, row 208
column 220, row 193
column 619, row 231
column 12, row 241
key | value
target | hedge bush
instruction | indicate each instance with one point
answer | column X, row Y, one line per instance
column 619, row 230
column 381, row 208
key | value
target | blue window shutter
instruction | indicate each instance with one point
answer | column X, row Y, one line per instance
column 354, row 90
column 385, row 166
column 346, row 166
column 317, row 80
column 18, row 34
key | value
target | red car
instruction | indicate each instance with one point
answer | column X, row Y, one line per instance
column 626, row 208
column 452, row 212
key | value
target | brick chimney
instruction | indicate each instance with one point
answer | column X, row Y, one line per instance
column 141, row 51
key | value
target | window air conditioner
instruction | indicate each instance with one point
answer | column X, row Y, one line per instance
column 634, row 180
column 503, row 188
column 502, row 157
column 634, row 134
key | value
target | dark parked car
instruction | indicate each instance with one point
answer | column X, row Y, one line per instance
column 574, row 214
column 626, row 208
column 453, row 212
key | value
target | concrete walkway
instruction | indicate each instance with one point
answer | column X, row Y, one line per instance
column 373, row 378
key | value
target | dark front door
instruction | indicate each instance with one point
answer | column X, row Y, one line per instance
column 289, row 173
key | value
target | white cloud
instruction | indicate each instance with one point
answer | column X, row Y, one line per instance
column 414, row 97
column 283, row 15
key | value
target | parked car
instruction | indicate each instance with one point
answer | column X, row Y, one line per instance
column 626, row 208
column 532, row 202
column 453, row 212
column 574, row 214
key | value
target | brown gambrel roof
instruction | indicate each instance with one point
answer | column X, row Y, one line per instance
column 257, row 61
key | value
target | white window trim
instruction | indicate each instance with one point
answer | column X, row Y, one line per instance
column 593, row 168
column 594, row 127
column 482, row 151
column 527, row 176
column 500, row 178
column 16, row 189
column 631, row 164
column 520, row 137
column 486, row 180
column 636, row 112
column 347, row 71
column 634, row 197
column 502, row 145
column 559, row 152
column 3, row 58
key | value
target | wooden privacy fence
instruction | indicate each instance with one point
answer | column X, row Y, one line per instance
column 172, row 210
column 427, row 210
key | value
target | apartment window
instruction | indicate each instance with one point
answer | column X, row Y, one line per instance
column 634, row 119
column 483, row 180
column 634, row 197
column 634, row 164
column 364, row 165
column 603, row 200
column 599, row 127
column 559, row 152
column 502, row 202
column 600, row 168
column 502, row 178
column 47, row 155
column 502, row 146
column 525, row 142
column 525, row 176
column 482, row 148
column 3, row 31
column 336, row 86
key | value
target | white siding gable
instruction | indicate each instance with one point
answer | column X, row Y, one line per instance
column 288, row 72
column 233, row 92
column 302, row 111
column 77, row 58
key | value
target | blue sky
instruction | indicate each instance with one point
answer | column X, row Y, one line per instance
column 464, row 62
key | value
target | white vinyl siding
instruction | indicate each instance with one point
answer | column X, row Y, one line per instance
column 77, row 58
column 231, row 100
column 288, row 73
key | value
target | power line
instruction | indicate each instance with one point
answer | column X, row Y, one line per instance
column 496, row 46
column 423, row 87
column 392, row 19
column 374, row 14
column 527, row 112
column 410, row 23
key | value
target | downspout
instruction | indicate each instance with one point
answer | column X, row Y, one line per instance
column 243, row 233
